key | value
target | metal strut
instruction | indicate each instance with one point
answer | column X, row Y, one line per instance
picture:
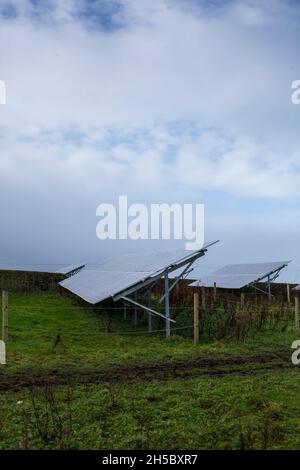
column 185, row 272
column 137, row 304
column 270, row 279
column 167, row 305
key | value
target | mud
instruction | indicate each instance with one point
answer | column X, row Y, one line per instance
column 156, row 371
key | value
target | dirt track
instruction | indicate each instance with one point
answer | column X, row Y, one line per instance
column 158, row 371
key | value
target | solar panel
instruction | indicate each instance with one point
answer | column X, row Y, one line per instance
column 235, row 276
column 145, row 262
column 42, row 268
column 98, row 282
column 94, row 286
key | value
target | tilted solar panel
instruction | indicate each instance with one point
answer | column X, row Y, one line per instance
column 251, row 268
column 225, row 282
column 235, row 276
column 98, row 282
column 42, row 268
column 145, row 262
column 94, row 286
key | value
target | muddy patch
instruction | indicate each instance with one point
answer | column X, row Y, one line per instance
column 156, row 371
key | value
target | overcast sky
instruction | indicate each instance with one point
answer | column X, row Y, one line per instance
column 161, row 100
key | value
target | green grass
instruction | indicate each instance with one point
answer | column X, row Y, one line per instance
column 255, row 410
column 35, row 321
column 260, row 412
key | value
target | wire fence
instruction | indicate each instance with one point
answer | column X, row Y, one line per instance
column 231, row 319
column 222, row 314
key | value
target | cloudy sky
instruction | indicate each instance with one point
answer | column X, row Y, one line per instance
column 161, row 100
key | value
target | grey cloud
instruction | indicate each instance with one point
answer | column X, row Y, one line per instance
column 178, row 102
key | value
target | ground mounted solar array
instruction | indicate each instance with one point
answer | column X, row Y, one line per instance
column 98, row 282
column 236, row 276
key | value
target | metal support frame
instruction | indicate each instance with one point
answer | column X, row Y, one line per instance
column 260, row 290
column 269, row 288
column 156, row 276
column 137, row 304
column 270, row 277
column 135, row 311
column 185, row 272
column 167, row 304
column 186, row 263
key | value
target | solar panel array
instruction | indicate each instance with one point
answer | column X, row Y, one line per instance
column 236, row 276
column 98, row 282
column 42, row 268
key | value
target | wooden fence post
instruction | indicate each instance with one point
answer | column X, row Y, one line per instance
column 288, row 293
column 296, row 313
column 196, row 318
column 203, row 298
column 242, row 301
column 5, row 317
column 215, row 291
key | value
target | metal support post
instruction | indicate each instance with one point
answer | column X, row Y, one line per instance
column 167, row 305
column 135, row 310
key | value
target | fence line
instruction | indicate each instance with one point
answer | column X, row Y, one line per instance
column 183, row 307
column 145, row 331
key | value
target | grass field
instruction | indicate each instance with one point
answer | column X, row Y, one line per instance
column 70, row 384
